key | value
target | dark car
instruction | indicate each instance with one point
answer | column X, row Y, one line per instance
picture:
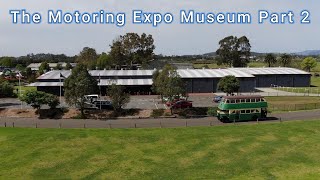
column 181, row 104
column 217, row 99
column 103, row 104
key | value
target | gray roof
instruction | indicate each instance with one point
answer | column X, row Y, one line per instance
column 104, row 82
column 272, row 70
column 184, row 73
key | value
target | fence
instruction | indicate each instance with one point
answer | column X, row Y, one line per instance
column 293, row 107
column 296, row 91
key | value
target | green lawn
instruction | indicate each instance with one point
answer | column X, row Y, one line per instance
column 287, row 150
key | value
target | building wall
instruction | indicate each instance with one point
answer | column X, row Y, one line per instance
column 283, row 80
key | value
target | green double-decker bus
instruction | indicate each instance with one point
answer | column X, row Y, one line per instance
column 242, row 108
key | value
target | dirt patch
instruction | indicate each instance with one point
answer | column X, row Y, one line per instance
column 20, row 113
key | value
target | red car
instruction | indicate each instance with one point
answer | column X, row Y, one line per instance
column 181, row 104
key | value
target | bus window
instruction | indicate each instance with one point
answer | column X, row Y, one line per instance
column 232, row 101
column 253, row 100
column 248, row 111
column 253, row 111
column 257, row 110
column 247, row 100
column 243, row 111
column 263, row 100
column 237, row 100
column 232, row 112
column 257, row 100
column 243, row 100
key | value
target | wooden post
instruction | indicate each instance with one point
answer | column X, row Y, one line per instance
column 5, row 124
column 12, row 124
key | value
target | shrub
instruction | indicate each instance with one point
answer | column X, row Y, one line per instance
column 52, row 101
column 6, row 89
column 38, row 98
column 157, row 112
column 212, row 111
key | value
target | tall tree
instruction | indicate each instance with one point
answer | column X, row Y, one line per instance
column 132, row 48
column 79, row 84
column 229, row 84
column 103, row 61
column 234, row 51
column 309, row 63
column 168, row 82
column 7, row 61
column 285, row 60
column 88, row 56
column 119, row 97
column 68, row 66
column 270, row 59
column 44, row 67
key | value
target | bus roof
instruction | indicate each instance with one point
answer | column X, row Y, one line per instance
column 243, row 97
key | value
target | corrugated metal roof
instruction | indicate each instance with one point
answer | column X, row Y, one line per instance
column 121, row 72
column 211, row 73
column 272, row 70
column 104, row 82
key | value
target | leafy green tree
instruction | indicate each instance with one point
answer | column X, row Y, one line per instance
column 270, row 59
column 309, row 63
column 229, row 84
column 58, row 67
column 20, row 67
column 79, row 84
column 103, row 61
column 6, row 89
column 118, row 97
column 68, row 66
column 132, row 48
column 285, row 60
column 44, row 67
column 168, row 82
column 52, row 101
column 34, row 98
column 234, row 51
column 88, row 56
column 7, row 61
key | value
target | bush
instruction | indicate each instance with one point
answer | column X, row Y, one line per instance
column 37, row 98
column 157, row 112
column 52, row 101
column 212, row 111
column 6, row 89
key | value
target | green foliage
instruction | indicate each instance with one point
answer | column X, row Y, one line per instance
column 309, row 63
column 168, row 82
column 79, row 84
column 212, row 111
column 270, row 59
column 119, row 97
column 132, row 48
column 7, row 62
column 38, row 98
column 157, row 112
column 285, row 60
column 68, row 66
column 234, row 51
column 20, row 67
column 6, row 89
column 58, row 67
column 104, row 61
column 44, row 67
column 88, row 56
column 229, row 84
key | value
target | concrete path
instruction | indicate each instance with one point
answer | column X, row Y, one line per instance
column 146, row 123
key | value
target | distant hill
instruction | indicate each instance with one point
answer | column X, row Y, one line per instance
column 252, row 53
column 308, row 53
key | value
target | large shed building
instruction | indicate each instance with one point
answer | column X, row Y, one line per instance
column 197, row 80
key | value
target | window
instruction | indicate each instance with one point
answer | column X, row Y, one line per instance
column 237, row 100
column 253, row 111
column 248, row 111
column 253, row 100
column 232, row 101
column 257, row 100
column 243, row 111
column 247, row 100
column 243, row 100
column 263, row 100
column 232, row 112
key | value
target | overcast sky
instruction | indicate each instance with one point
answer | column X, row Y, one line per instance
column 174, row 39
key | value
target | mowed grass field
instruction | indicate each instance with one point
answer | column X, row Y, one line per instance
column 288, row 150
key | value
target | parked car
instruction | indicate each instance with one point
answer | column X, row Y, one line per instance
column 217, row 99
column 181, row 104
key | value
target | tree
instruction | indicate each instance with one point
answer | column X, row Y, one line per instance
column 7, row 62
column 285, row 60
column 88, row 56
column 38, row 98
column 58, row 67
column 132, row 49
column 6, row 89
column 68, row 66
column 229, row 84
column 168, row 82
column 234, row 51
column 309, row 63
column 20, row 67
column 79, row 84
column 118, row 97
column 103, row 61
column 44, row 67
column 270, row 59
